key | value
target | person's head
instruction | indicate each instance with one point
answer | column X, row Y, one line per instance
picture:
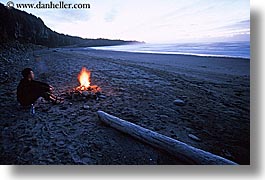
column 27, row 73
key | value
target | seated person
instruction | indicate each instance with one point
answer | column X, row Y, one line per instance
column 29, row 90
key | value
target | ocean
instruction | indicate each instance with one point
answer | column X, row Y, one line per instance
column 220, row 49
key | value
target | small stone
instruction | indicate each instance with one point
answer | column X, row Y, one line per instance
column 173, row 136
column 86, row 155
column 227, row 153
column 85, row 93
column 121, row 89
column 156, row 128
column 75, row 158
column 163, row 116
column 86, row 160
column 86, row 107
column 193, row 137
column 50, row 160
column 63, row 108
column 102, row 96
column 179, row 102
column 60, row 144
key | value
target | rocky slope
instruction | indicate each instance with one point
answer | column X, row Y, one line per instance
column 27, row 28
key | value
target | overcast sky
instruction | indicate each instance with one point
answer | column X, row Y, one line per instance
column 151, row 20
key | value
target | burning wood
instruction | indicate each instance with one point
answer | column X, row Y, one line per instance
column 85, row 90
column 84, row 79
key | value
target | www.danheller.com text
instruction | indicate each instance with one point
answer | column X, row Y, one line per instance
column 48, row 5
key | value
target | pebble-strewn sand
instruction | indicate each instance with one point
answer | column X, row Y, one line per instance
column 140, row 88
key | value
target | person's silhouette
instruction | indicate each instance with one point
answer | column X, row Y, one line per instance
column 29, row 90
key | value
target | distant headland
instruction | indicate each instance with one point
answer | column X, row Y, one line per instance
column 17, row 25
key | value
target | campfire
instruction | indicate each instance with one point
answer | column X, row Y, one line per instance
column 85, row 90
column 84, row 79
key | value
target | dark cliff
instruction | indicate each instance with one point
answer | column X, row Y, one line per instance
column 27, row 28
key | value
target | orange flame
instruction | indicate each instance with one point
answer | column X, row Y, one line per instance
column 84, row 78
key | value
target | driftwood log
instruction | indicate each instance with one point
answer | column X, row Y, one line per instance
column 180, row 150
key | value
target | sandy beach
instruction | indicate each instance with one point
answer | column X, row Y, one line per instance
column 140, row 88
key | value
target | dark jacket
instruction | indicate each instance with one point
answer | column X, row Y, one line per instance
column 29, row 91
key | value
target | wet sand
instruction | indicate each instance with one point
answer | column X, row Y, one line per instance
column 140, row 88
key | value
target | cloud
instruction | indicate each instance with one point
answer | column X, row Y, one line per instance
column 152, row 20
column 111, row 15
column 243, row 24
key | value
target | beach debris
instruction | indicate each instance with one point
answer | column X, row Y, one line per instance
column 86, row 107
column 180, row 150
column 193, row 137
column 179, row 102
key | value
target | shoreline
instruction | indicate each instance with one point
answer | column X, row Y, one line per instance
column 174, row 53
column 235, row 49
column 185, row 64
